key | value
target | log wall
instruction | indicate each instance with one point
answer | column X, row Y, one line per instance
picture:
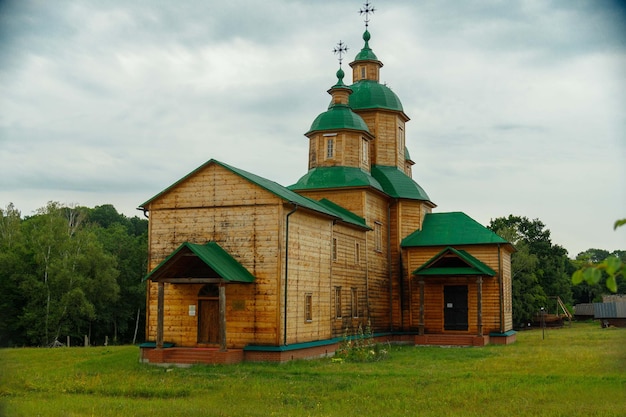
column 216, row 205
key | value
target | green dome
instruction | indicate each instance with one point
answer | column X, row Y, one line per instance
column 368, row 94
column 366, row 53
column 338, row 116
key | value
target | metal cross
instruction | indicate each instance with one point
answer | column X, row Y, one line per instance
column 340, row 49
column 366, row 10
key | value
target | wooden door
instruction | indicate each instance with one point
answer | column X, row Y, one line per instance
column 455, row 307
column 209, row 321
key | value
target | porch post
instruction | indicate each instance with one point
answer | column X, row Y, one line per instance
column 421, row 322
column 222, row 303
column 160, row 299
column 479, row 281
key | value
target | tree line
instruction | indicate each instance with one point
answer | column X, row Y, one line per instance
column 75, row 271
column 70, row 272
column 542, row 269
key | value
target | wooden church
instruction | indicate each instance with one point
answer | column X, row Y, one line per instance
column 243, row 268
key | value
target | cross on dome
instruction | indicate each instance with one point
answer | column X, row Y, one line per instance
column 366, row 10
column 340, row 49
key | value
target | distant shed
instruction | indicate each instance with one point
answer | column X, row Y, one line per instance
column 610, row 314
column 583, row 311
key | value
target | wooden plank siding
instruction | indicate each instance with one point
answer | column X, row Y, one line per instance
column 373, row 207
column 308, row 273
column 218, row 205
column 384, row 126
column 349, row 272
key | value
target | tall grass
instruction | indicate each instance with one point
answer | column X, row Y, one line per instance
column 577, row 371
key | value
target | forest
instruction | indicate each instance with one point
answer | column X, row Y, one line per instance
column 67, row 272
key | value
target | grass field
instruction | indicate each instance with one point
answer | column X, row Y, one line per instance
column 577, row 371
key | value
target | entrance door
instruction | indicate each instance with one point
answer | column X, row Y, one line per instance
column 209, row 321
column 455, row 307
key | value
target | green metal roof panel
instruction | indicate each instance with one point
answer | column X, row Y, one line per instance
column 397, row 184
column 335, row 177
column 469, row 265
column 338, row 117
column 344, row 213
column 369, row 94
column 214, row 257
column 447, row 229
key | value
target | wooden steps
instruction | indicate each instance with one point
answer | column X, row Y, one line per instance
column 451, row 340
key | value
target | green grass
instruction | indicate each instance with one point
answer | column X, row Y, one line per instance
column 577, row 371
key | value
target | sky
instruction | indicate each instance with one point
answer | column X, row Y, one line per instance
column 516, row 107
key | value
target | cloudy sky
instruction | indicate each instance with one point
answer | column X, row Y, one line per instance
column 516, row 107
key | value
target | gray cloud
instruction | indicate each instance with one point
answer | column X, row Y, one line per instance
column 516, row 107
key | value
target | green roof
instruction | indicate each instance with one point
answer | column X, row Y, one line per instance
column 461, row 263
column 219, row 262
column 397, row 184
column 369, row 94
column 335, row 177
column 338, row 116
column 271, row 186
column 448, row 229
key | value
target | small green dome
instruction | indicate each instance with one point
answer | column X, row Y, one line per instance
column 338, row 116
column 368, row 94
column 366, row 53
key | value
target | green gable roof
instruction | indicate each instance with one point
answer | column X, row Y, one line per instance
column 448, row 229
column 369, row 94
column 338, row 116
column 271, row 186
column 461, row 263
column 335, row 177
column 397, row 184
column 219, row 262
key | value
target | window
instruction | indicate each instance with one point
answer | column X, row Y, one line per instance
column 363, row 72
column 334, row 249
column 337, row 302
column 357, row 253
column 400, row 139
column 308, row 307
column 330, row 148
column 378, row 232
column 354, row 303
column 365, row 151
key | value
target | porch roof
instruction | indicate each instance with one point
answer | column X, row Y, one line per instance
column 452, row 261
column 196, row 263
